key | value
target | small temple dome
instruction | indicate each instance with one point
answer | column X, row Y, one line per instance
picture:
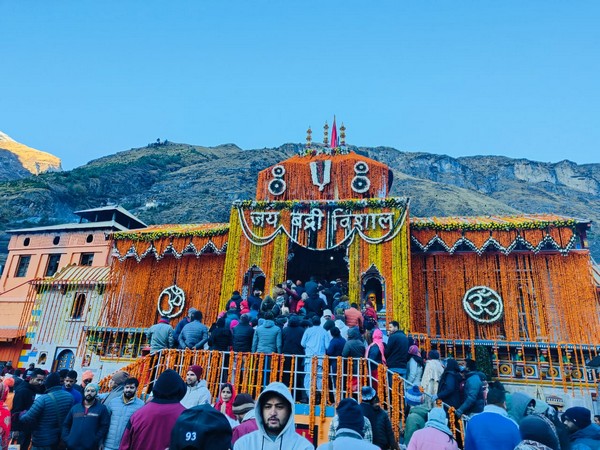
column 324, row 176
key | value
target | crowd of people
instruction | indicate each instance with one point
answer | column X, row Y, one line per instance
column 53, row 411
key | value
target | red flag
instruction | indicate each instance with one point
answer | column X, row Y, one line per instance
column 335, row 140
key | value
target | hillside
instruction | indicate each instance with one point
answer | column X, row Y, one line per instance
column 30, row 160
column 180, row 183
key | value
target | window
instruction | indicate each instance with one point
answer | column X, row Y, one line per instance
column 22, row 266
column 26, row 242
column 78, row 306
column 89, row 239
column 52, row 266
column 56, row 240
column 86, row 259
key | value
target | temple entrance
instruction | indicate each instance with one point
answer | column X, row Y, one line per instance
column 254, row 279
column 324, row 265
column 372, row 283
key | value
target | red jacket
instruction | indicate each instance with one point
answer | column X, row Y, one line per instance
column 354, row 318
column 149, row 428
column 248, row 426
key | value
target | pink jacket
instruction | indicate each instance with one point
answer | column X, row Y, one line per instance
column 248, row 426
column 430, row 438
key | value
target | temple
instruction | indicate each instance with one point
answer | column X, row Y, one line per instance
column 516, row 293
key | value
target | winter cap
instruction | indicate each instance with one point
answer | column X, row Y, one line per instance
column 367, row 393
column 52, row 380
column 327, row 312
column 436, row 418
column 120, row 377
column 350, row 415
column 242, row 404
column 169, row 388
column 414, row 350
column 433, row 354
column 198, row 370
column 437, row 415
column 93, row 385
column 201, row 427
column 540, row 429
column 580, row 416
column 191, row 311
column 87, row 375
column 414, row 396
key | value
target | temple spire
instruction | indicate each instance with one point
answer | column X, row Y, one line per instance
column 335, row 142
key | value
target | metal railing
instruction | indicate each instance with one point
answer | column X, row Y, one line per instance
column 320, row 381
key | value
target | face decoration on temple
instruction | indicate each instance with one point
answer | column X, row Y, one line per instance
column 361, row 183
column 277, row 186
column 171, row 301
column 482, row 304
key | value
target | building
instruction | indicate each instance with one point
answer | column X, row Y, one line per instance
column 41, row 252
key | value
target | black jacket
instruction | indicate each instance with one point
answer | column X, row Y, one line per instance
column 383, row 434
column 24, row 397
column 243, row 334
column 396, row 352
column 449, row 388
column 291, row 338
column 220, row 339
column 86, row 429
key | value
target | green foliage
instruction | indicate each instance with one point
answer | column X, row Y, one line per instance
column 483, row 358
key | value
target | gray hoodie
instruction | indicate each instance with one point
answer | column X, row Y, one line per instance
column 288, row 439
column 267, row 338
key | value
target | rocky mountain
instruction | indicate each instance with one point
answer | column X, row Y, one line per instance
column 180, row 183
column 19, row 161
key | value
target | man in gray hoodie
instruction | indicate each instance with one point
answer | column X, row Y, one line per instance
column 195, row 334
column 275, row 419
column 267, row 337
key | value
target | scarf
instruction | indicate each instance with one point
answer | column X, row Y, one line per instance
column 378, row 341
column 226, row 407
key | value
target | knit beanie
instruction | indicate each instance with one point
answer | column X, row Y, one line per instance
column 539, row 429
column 414, row 396
column 433, row 354
column 579, row 415
column 52, row 380
column 191, row 311
column 169, row 388
column 120, row 377
column 367, row 393
column 350, row 415
column 93, row 385
column 242, row 404
column 198, row 370
column 414, row 350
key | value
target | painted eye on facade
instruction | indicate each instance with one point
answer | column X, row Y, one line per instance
column 278, row 171
column 360, row 184
column 361, row 168
column 277, row 187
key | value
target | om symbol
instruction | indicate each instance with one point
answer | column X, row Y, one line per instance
column 175, row 298
column 483, row 304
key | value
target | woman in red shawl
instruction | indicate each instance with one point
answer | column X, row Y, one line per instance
column 226, row 399
column 376, row 352
column 4, row 418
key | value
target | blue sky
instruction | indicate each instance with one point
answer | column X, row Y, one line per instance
column 84, row 79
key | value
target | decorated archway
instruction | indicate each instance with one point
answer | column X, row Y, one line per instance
column 304, row 263
column 373, row 283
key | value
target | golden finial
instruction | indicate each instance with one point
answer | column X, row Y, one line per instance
column 325, row 134
column 342, row 135
column 308, row 137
